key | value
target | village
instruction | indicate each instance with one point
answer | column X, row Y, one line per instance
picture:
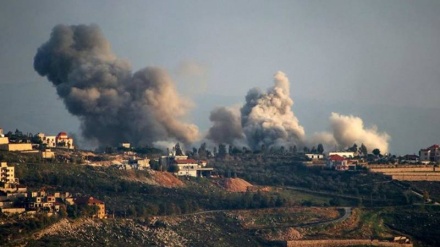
column 16, row 200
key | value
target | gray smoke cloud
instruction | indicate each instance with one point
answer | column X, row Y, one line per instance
column 113, row 104
column 267, row 119
column 226, row 127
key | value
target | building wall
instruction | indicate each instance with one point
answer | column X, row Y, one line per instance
column 315, row 156
column 4, row 140
column 16, row 147
column 430, row 154
column 13, row 210
column 187, row 170
column 403, row 169
column 65, row 143
column 48, row 154
column 49, row 141
column 343, row 154
column 101, row 211
column 7, row 173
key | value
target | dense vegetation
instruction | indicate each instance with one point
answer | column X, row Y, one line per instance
column 372, row 189
column 128, row 194
column 421, row 222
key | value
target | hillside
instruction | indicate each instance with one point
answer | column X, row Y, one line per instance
column 156, row 208
column 233, row 184
column 261, row 227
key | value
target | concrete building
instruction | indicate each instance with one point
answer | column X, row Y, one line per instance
column 7, row 173
column 4, row 140
column 139, row 163
column 15, row 147
column 430, row 154
column 343, row 154
column 6, row 146
column 187, row 167
column 13, row 210
column 314, row 156
column 90, row 201
column 62, row 140
column 47, row 154
column 125, row 145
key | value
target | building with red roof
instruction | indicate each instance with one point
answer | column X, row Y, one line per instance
column 337, row 162
column 62, row 140
column 90, row 201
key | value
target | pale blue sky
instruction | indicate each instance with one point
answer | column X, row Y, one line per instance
column 379, row 60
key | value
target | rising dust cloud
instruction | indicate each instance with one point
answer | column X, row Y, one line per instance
column 115, row 104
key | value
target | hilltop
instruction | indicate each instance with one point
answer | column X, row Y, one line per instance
column 267, row 199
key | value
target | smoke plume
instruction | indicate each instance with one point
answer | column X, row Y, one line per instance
column 226, row 127
column 113, row 104
column 267, row 119
column 348, row 130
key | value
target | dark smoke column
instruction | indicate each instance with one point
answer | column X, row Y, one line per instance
column 113, row 104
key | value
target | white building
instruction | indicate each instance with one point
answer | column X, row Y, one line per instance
column 431, row 154
column 187, row 167
column 62, row 140
column 343, row 154
column 315, row 156
column 125, row 145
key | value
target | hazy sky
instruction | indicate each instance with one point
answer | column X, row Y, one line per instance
column 378, row 60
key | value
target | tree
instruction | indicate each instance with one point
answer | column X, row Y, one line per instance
column 294, row 149
column 202, row 150
column 306, row 149
column 282, row 149
column 173, row 168
column 320, row 148
column 376, row 152
column 354, row 148
column 178, row 150
column 363, row 150
column 222, row 150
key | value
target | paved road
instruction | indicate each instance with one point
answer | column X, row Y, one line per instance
column 346, row 215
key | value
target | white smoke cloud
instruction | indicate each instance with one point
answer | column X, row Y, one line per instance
column 267, row 119
column 348, row 130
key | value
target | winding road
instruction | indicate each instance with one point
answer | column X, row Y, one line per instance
column 344, row 216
